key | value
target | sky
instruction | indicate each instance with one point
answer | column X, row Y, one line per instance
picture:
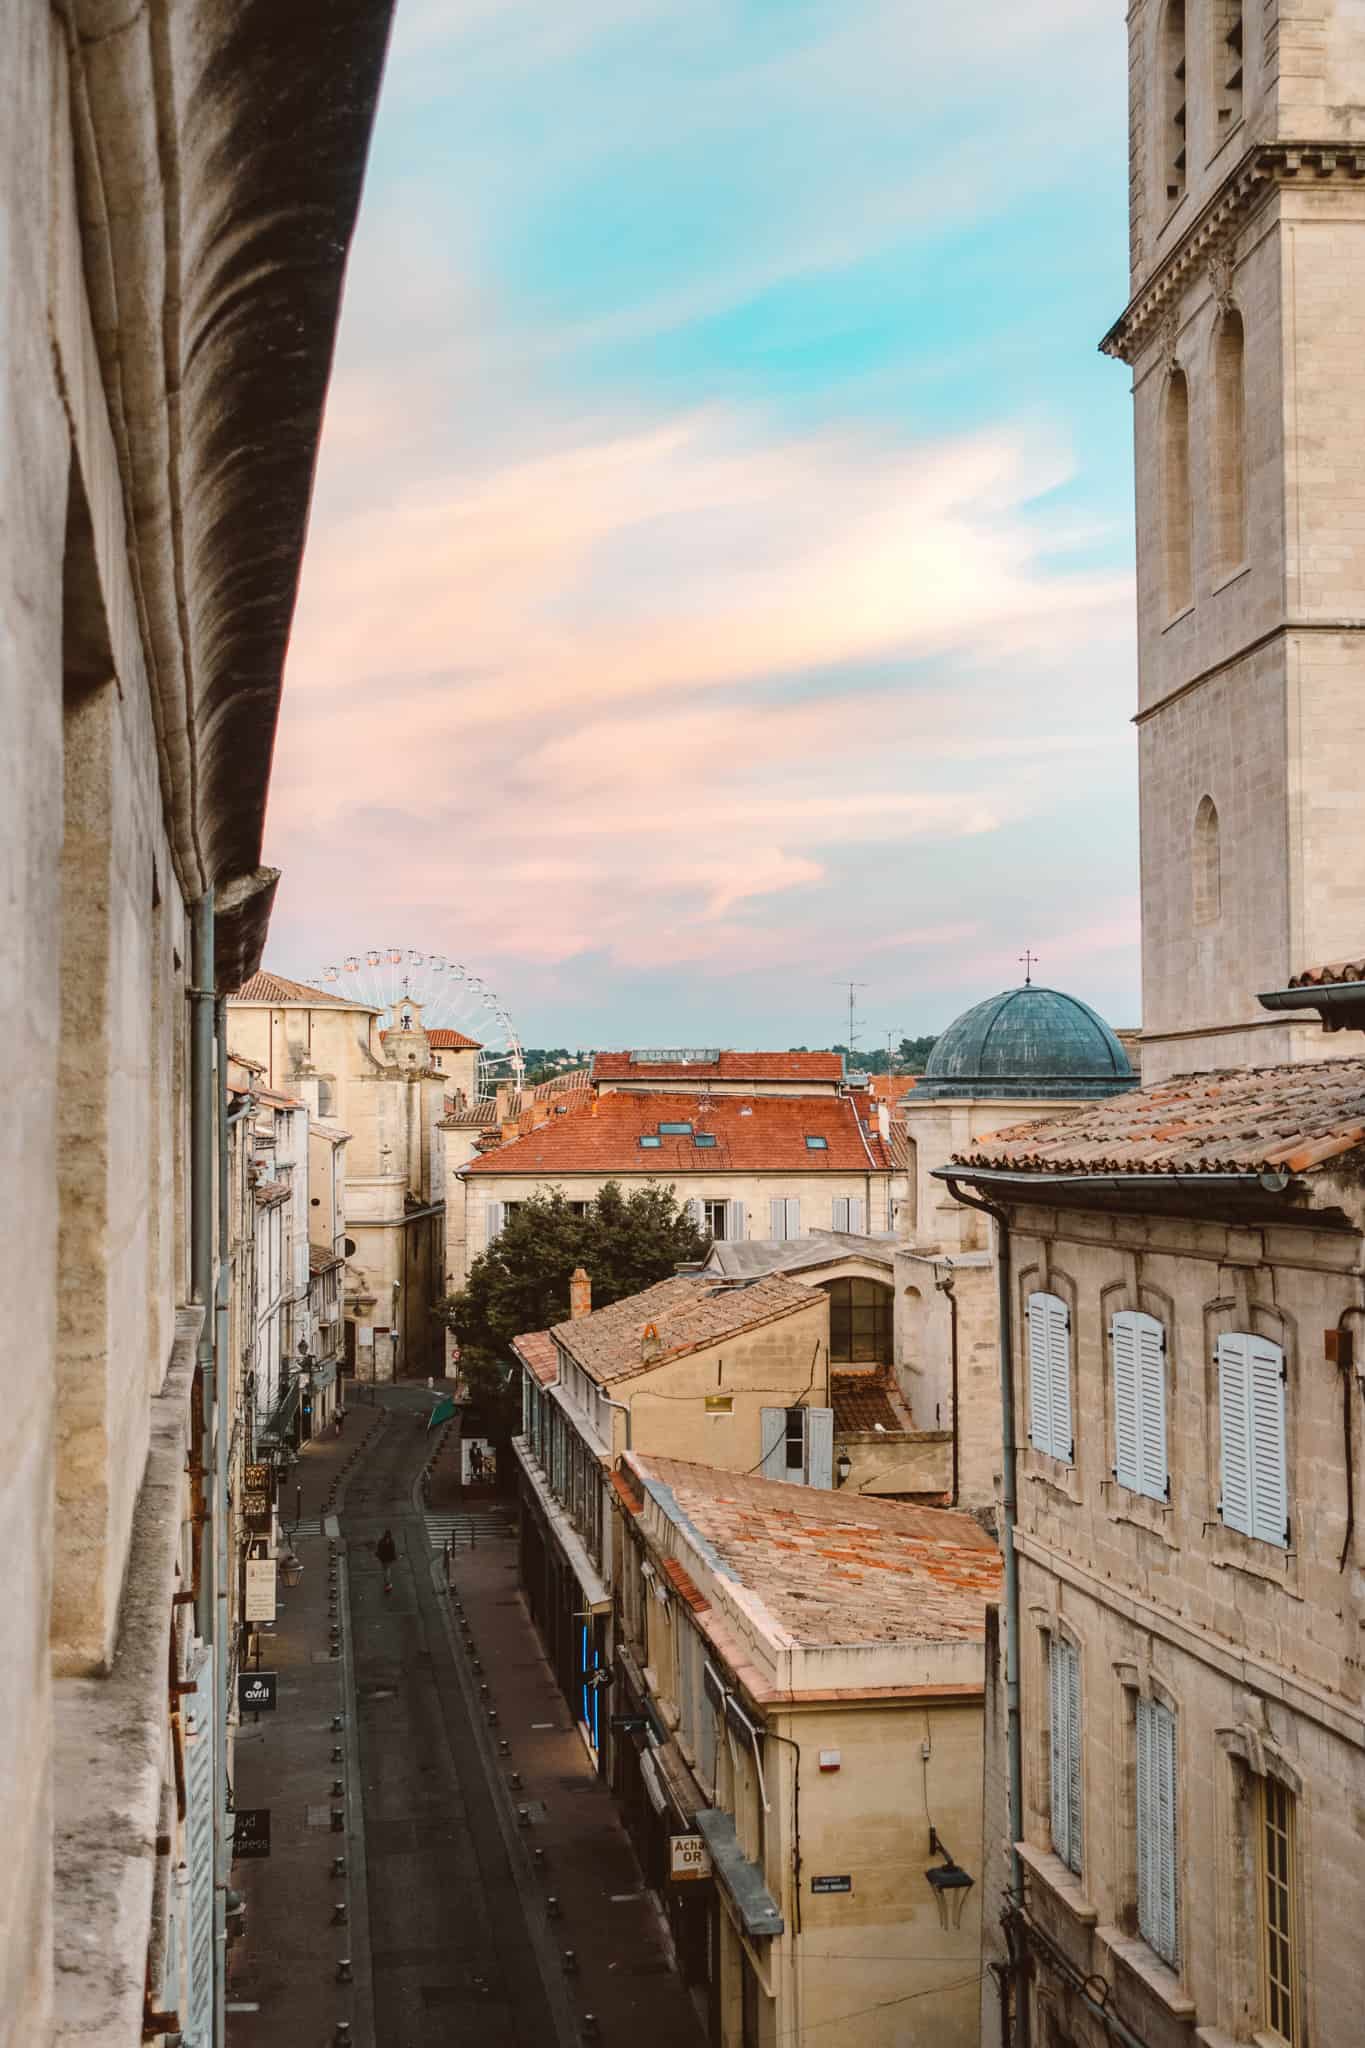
column 719, row 582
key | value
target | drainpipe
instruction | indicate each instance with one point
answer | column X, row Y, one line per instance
column 201, row 1211
column 1014, row 1746
column 221, row 1435
column 608, row 1403
column 945, row 1286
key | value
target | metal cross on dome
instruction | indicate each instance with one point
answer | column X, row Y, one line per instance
column 1029, row 961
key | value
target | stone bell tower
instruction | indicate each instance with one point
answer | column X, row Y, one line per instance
column 1247, row 215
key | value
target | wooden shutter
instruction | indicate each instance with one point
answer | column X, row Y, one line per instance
column 855, row 1214
column 793, row 1216
column 735, row 1222
column 1049, row 1345
column 1269, row 1487
column 840, row 1215
column 820, row 1447
column 493, row 1219
column 1158, row 1917
column 777, row 1209
column 1127, row 1445
column 773, row 1439
column 1234, row 1432
column 1064, row 1670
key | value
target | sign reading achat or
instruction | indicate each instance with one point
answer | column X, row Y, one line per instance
column 257, row 1691
column 260, row 1589
column 688, row 1856
column 831, row 1884
column 251, row 1831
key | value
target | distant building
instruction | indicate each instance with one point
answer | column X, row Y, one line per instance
column 709, row 1071
column 801, row 1677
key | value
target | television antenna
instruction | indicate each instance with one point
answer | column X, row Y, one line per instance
column 853, row 987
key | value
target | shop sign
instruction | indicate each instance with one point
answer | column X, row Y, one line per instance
column 257, row 1495
column 831, row 1884
column 257, row 1691
column 688, row 1857
column 260, row 1589
column 251, row 1831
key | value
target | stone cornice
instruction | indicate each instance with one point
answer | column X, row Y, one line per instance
column 1262, row 169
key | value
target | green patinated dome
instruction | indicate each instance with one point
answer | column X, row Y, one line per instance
column 1034, row 1043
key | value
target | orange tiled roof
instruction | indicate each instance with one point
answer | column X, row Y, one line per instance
column 1262, row 1120
column 442, row 1040
column 830, row 1568
column 321, row 1258
column 273, row 988
column 271, row 1191
column 687, row 1311
column 753, row 1133
column 865, row 1400
column 890, row 1088
column 536, row 1350
column 726, row 1066
column 1325, row 977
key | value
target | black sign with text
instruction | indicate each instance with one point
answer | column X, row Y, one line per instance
column 256, row 1691
column 251, row 1831
column 831, row 1884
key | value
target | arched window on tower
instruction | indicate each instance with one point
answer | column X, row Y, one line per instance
column 1208, row 877
column 1227, row 64
column 1175, row 488
column 1174, row 99
column 1229, row 429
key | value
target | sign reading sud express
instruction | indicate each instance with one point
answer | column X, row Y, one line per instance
column 260, row 1589
column 688, row 1856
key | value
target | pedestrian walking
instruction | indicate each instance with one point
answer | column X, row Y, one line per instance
column 475, row 1463
column 386, row 1550
column 340, row 1420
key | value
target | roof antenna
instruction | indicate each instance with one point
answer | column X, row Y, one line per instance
column 1029, row 961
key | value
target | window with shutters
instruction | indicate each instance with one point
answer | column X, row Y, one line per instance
column 1049, row 1375
column 1277, row 1903
column 1064, row 1675
column 785, row 1216
column 1157, row 1876
column 1137, row 1345
column 798, row 1445
column 846, row 1214
column 1251, row 1433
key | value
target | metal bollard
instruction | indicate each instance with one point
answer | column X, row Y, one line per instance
column 552, row 1907
column 338, row 1819
column 339, row 1913
column 570, row 1960
column 343, row 1970
column 338, row 1866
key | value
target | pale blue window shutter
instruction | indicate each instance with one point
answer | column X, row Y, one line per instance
column 199, row 1780
column 493, row 1219
column 1234, row 1432
column 1039, row 1379
column 1064, row 1671
column 1158, row 1915
column 820, row 1447
column 778, row 1217
column 1059, row 1372
column 793, row 1216
column 1269, row 1480
column 1127, row 1451
column 773, row 1439
column 855, row 1214
column 736, row 1221
column 839, row 1220
column 1139, row 1354
column 695, row 1212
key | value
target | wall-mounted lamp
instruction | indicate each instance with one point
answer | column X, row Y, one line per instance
column 843, row 1465
column 950, row 1883
column 291, row 1568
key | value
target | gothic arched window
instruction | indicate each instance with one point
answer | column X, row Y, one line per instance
column 1229, row 430
column 1207, row 864
column 1175, row 489
column 1173, row 99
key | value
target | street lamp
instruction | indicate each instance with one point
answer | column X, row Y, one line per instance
column 950, row 1885
column 291, row 1567
column 843, row 1465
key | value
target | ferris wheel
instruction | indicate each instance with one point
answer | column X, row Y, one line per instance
column 452, row 999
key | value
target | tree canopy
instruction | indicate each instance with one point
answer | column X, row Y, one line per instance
column 623, row 1242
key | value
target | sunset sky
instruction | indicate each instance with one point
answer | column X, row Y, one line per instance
column 720, row 574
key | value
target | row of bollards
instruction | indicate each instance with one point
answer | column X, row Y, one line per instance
column 341, row 1912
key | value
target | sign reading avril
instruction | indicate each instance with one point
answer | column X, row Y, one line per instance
column 257, row 1691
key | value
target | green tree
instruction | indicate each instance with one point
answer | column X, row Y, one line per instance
column 625, row 1242
column 914, row 1052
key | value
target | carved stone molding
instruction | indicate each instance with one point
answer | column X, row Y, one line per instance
column 1220, row 276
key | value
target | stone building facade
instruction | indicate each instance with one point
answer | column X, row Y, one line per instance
column 174, row 233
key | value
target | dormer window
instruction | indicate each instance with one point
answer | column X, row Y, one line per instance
column 651, row 1144
column 675, row 1130
column 814, row 1144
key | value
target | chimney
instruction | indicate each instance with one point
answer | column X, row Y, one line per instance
column 651, row 1344
column 580, row 1294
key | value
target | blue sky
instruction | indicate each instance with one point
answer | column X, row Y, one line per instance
column 720, row 571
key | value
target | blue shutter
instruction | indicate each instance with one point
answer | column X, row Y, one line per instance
column 820, row 1447
column 1123, row 1342
column 793, row 1216
column 493, row 1218
column 1039, row 1378
column 1234, row 1432
column 1139, row 1355
column 855, row 1215
column 839, row 1215
column 777, row 1216
column 1158, row 1915
column 735, row 1222
column 1064, row 1672
column 1269, row 1481
column 773, row 1439
column 1059, row 1372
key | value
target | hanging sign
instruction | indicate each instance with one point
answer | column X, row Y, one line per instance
column 260, row 1589
column 257, row 1691
column 688, row 1857
column 251, row 1831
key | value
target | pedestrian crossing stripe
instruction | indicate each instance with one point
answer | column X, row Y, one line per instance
column 493, row 1525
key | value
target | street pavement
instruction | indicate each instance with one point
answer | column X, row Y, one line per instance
column 455, row 1928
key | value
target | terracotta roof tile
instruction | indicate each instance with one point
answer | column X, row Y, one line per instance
column 321, row 1258
column 890, row 1088
column 832, row 1570
column 442, row 1040
column 753, row 1133
column 274, row 988
column 689, row 1310
column 1325, row 977
column 536, row 1350
column 868, row 1400
column 726, row 1066
column 1261, row 1120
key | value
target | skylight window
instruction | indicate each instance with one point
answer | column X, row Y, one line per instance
column 675, row 1130
column 653, row 1143
column 704, row 1138
column 816, row 1144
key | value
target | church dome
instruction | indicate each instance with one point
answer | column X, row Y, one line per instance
column 1032, row 1043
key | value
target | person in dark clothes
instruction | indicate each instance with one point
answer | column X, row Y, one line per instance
column 475, row 1464
column 386, row 1550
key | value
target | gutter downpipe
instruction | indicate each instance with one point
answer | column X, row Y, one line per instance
column 202, row 995
column 607, row 1402
column 1009, row 1507
column 222, row 1433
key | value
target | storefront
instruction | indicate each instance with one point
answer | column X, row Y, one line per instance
column 571, row 1610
